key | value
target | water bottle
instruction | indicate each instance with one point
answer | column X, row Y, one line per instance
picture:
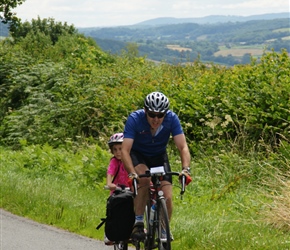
column 152, row 213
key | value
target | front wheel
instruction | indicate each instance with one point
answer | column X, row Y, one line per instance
column 163, row 229
column 149, row 243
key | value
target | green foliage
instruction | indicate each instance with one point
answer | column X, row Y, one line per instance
column 47, row 27
column 86, row 165
column 244, row 101
column 54, row 91
column 6, row 14
column 35, row 79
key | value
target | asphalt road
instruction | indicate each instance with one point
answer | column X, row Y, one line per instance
column 17, row 233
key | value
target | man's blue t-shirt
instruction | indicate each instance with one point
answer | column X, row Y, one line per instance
column 138, row 128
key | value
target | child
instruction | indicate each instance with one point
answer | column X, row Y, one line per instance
column 117, row 176
column 116, row 173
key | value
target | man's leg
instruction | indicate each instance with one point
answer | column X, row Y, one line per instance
column 140, row 202
column 142, row 197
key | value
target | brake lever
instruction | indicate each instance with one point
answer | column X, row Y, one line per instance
column 183, row 179
column 135, row 187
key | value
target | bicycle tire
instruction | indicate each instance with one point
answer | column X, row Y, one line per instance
column 150, row 234
column 121, row 246
column 163, row 224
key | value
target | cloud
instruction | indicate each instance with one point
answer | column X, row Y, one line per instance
column 88, row 13
column 229, row 7
column 259, row 4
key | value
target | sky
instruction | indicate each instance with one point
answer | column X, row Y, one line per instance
column 107, row 13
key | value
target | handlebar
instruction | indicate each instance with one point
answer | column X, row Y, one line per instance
column 148, row 174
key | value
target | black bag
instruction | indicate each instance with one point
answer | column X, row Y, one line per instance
column 120, row 216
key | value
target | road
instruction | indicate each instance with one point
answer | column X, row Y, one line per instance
column 17, row 233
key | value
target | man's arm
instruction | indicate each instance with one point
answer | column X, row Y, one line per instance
column 181, row 144
column 126, row 158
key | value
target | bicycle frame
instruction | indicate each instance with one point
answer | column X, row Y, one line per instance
column 161, row 219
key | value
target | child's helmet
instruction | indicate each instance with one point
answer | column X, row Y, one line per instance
column 116, row 138
column 156, row 102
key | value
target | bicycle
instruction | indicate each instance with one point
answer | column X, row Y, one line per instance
column 156, row 223
column 159, row 222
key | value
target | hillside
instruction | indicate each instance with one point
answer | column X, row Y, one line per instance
column 197, row 40
column 219, row 32
column 226, row 40
column 212, row 19
column 4, row 29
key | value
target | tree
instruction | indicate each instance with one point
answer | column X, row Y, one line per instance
column 132, row 49
column 47, row 26
column 6, row 14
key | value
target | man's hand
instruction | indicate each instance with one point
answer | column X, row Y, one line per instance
column 185, row 173
column 131, row 177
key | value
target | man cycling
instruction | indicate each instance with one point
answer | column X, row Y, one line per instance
column 146, row 135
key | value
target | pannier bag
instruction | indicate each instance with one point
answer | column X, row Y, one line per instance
column 120, row 216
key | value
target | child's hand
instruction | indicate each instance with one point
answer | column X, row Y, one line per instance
column 112, row 186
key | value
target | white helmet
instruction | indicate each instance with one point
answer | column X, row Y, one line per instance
column 156, row 102
column 116, row 138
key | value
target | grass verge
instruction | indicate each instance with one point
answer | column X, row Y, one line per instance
column 218, row 210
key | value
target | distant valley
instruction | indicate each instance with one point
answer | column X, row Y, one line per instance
column 227, row 40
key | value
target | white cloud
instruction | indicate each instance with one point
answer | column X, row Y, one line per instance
column 124, row 12
column 260, row 5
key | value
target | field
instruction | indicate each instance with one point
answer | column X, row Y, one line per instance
column 282, row 30
column 236, row 51
column 177, row 47
column 240, row 51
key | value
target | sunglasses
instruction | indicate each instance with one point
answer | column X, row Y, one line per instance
column 153, row 115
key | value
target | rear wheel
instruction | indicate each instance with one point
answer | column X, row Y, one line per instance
column 163, row 229
column 121, row 246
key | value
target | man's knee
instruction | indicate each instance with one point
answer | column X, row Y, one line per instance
column 141, row 169
column 166, row 187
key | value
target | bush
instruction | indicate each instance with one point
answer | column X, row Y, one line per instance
column 74, row 89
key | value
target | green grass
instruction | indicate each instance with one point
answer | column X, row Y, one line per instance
column 54, row 202
column 223, row 208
